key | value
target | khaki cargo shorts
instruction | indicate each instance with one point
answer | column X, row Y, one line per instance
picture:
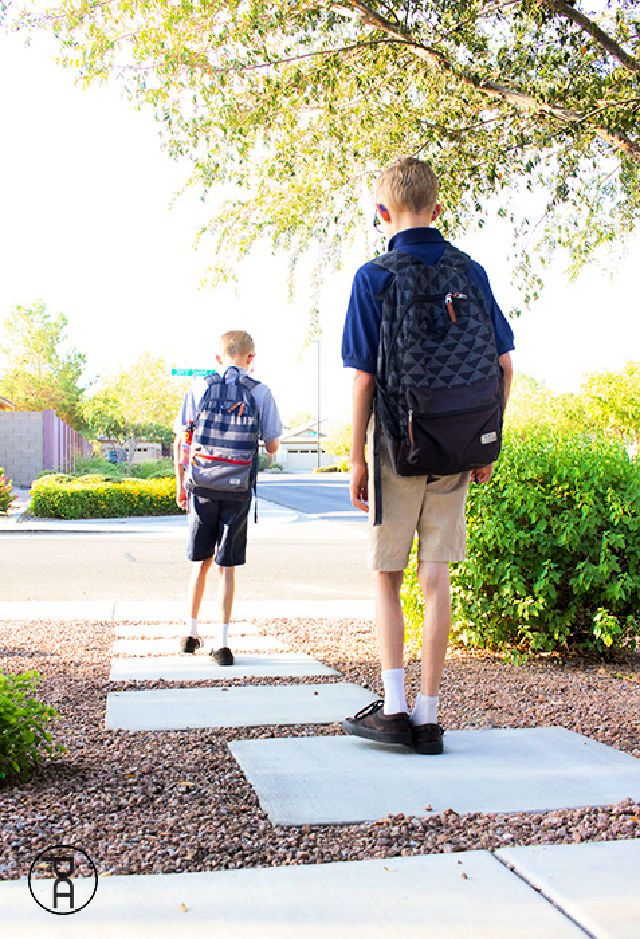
column 410, row 504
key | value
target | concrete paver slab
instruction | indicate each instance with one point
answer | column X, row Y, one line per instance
column 250, row 706
column 155, row 647
column 174, row 610
column 597, row 884
column 202, row 667
column 176, row 628
column 324, row 780
column 438, row 896
column 247, row 609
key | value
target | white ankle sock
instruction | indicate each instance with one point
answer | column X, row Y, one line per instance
column 425, row 710
column 394, row 697
column 192, row 626
column 223, row 635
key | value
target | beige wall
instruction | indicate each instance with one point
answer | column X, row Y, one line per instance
column 21, row 442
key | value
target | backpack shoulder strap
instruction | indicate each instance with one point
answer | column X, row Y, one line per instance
column 213, row 379
column 248, row 382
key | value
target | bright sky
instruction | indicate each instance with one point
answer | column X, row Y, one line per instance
column 86, row 225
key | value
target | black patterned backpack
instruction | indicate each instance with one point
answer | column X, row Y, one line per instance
column 439, row 389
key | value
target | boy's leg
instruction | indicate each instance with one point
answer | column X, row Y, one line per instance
column 231, row 552
column 434, row 581
column 203, row 523
column 226, row 590
column 442, row 534
column 390, row 629
column 199, row 571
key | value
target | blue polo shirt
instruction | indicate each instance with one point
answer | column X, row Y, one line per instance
column 361, row 332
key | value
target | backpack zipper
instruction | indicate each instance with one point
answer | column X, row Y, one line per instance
column 448, row 302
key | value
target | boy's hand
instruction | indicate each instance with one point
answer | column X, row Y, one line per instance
column 482, row 475
column 181, row 498
column 359, row 486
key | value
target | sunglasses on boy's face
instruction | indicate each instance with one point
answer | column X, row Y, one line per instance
column 380, row 215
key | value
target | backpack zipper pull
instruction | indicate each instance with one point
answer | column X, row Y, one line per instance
column 448, row 302
column 413, row 443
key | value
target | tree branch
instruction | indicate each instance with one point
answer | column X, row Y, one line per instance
column 520, row 99
column 603, row 39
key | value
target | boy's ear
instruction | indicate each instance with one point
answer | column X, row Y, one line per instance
column 218, row 358
column 251, row 356
column 436, row 211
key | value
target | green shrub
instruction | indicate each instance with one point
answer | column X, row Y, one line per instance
column 342, row 466
column 553, row 550
column 156, row 469
column 24, row 738
column 5, row 493
column 97, row 496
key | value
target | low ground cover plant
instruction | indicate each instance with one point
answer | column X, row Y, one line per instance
column 25, row 739
column 6, row 498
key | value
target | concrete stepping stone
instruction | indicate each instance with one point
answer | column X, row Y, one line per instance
column 176, row 629
column 250, row 706
column 262, row 609
column 327, row 780
column 202, row 667
column 448, row 896
column 171, row 646
column 597, row 883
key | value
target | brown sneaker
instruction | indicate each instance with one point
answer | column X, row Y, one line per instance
column 427, row 738
column 373, row 724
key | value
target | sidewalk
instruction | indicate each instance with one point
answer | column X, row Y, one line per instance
column 17, row 521
column 179, row 785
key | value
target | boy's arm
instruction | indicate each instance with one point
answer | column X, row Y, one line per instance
column 184, row 415
column 181, row 495
column 507, row 371
column 363, row 387
column 270, row 422
column 483, row 475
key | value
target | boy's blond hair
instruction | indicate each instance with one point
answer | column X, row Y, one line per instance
column 236, row 342
column 408, row 184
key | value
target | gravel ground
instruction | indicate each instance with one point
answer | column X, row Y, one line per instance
column 177, row 801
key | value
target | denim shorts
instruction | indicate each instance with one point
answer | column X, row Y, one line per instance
column 217, row 527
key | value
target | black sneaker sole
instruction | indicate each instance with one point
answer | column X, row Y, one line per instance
column 379, row 736
column 428, row 747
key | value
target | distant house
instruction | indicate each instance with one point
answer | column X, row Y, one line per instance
column 146, row 451
column 298, row 449
column 6, row 405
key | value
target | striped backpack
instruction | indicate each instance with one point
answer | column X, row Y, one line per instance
column 224, row 448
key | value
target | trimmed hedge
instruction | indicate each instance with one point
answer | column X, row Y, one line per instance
column 5, row 492
column 553, row 551
column 97, row 496
column 343, row 466
column 24, row 738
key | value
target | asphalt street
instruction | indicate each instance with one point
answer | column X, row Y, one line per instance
column 323, row 496
column 313, row 553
